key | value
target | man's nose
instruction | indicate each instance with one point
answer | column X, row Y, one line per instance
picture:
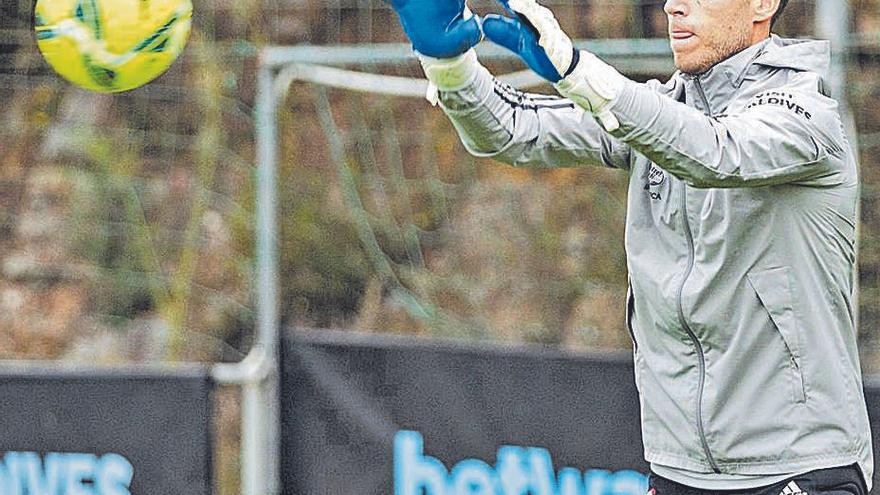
column 676, row 7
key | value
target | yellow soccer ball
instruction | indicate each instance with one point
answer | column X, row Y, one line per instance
column 112, row 45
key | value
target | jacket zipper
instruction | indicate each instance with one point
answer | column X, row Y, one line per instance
column 703, row 95
column 697, row 345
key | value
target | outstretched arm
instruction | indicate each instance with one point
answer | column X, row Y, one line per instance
column 522, row 129
column 765, row 143
column 492, row 118
column 781, row 136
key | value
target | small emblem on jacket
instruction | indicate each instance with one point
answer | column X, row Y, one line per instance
column 792, row 489
column 652, row 491
column 656, row 177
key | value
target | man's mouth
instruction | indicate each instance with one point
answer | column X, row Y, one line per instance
column 680, row 37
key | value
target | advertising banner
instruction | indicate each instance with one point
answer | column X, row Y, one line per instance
column 371, row 415
column 105, row 433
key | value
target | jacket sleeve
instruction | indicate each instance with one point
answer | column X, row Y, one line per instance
column 785, row 135
column 529, row 130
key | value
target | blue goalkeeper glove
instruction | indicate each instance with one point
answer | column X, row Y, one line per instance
column 534, row 34
column 520, row 35
column 438, row 28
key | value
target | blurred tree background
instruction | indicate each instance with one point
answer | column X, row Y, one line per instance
column 127, row 220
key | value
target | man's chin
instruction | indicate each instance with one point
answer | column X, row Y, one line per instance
column 700, row 61
column 687, row 65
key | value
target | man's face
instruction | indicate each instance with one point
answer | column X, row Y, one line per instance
column 705, row 32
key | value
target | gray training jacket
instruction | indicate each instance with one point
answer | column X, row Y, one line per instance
column 740, row 242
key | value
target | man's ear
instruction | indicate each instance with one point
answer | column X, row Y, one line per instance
column 763, row 10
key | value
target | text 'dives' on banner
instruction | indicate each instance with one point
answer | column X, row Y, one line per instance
column 105, row 433
column 370, row 415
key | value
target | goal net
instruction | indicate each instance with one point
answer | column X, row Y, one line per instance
column 387, row 224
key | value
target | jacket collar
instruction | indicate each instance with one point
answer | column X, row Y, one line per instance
column 799, row 55
column 732, row 71
column 723, row 79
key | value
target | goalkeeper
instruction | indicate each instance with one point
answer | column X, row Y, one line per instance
column 740, row 234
